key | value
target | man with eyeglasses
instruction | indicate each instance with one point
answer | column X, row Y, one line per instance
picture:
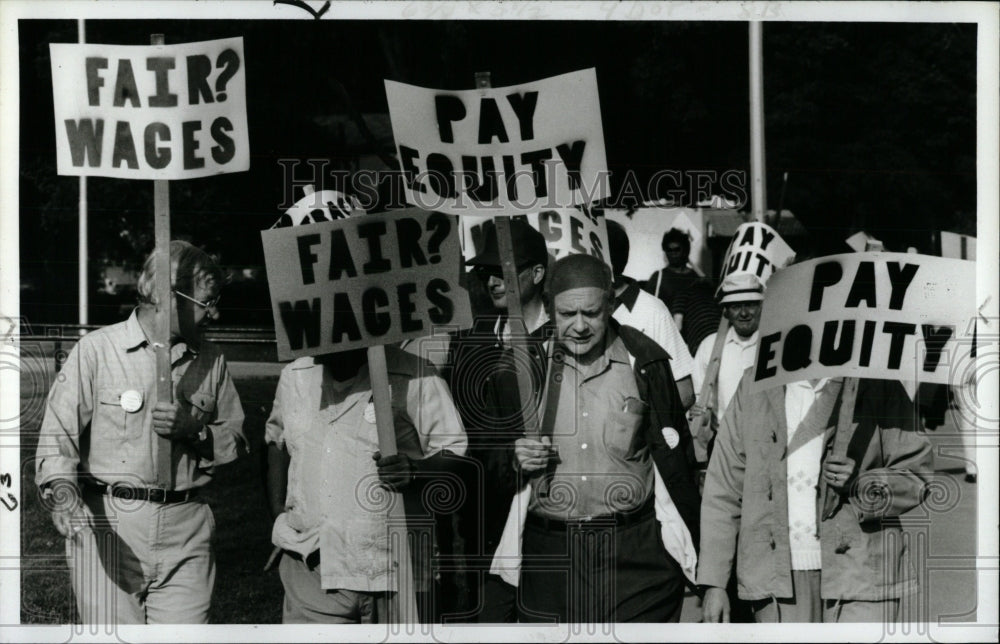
column 484, row 385
column 139, row 553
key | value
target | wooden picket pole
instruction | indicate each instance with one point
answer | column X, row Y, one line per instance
column 701, row 425
column 515, row 317
column 403, row 608
column 845, row 431
column 164, row 298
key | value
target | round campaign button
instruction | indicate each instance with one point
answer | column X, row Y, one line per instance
column 671, row 436
column 131, row 401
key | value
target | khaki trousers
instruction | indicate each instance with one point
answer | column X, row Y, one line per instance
column 139, row 562
column 806, row 606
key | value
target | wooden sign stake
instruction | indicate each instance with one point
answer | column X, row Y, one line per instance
column 845, row 431
column 515, row 314
column 164, row 298
column 701, row 425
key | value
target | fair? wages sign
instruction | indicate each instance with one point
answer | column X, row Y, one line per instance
column 893, row 316
column 150, row 111
column 502, row 151
column 364, row 281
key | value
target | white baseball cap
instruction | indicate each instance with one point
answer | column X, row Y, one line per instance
column 741, row 287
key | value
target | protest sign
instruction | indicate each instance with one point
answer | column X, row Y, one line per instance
column 508, row 150
column 958, row 246
column 363, row 281
column 567, row 231
column 152, row 111
column 325, row 205
column 869, row 315
column 756, row 248
column 862, row 241
column 570, row 231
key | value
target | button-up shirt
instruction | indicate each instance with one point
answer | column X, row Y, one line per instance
column 603, row 465
column 87, row 429
column 737, row 356
column 330, row 432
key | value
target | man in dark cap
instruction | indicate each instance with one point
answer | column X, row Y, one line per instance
column 611, row 516
column 484, row 385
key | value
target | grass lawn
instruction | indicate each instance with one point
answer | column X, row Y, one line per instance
column 243, row 592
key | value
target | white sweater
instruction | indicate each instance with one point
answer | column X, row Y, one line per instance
column 803, row 478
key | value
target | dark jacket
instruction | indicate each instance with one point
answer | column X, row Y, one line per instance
column 657, row 388
column 484, row 386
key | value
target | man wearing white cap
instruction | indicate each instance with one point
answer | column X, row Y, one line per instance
column 742, row 297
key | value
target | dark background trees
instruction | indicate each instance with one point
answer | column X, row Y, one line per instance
column 873, row 122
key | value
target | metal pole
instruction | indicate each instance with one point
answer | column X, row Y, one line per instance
column 82, row 227
column 758, row 188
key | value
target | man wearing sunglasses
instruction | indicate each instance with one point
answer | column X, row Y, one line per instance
column 484, row 385
column 140, row 553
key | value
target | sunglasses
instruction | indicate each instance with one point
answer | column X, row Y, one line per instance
column 486, row 272
column 211, row 304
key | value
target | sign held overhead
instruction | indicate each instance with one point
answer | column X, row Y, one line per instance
column 501, row 151
column 364, row 281
column 756, row 248
column 891, row 316
column 151, row 111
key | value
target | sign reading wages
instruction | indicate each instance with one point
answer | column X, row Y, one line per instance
column 363, row 281
column 571, row 231
column 151, row 111
column 510, row 150
column 870, row 315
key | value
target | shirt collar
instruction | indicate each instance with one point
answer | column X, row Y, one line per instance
column 614, row 351
column 501, row 328
column 816, row 387
column 628, row 296
column 734, row 337
column 134, row 335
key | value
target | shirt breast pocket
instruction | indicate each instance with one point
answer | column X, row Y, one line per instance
column 619, row 433
column 202, row 406
column 111, row 421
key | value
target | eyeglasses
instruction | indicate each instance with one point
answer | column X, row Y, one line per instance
column 211, row 304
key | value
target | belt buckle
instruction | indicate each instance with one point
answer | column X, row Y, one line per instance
column 157, row 495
